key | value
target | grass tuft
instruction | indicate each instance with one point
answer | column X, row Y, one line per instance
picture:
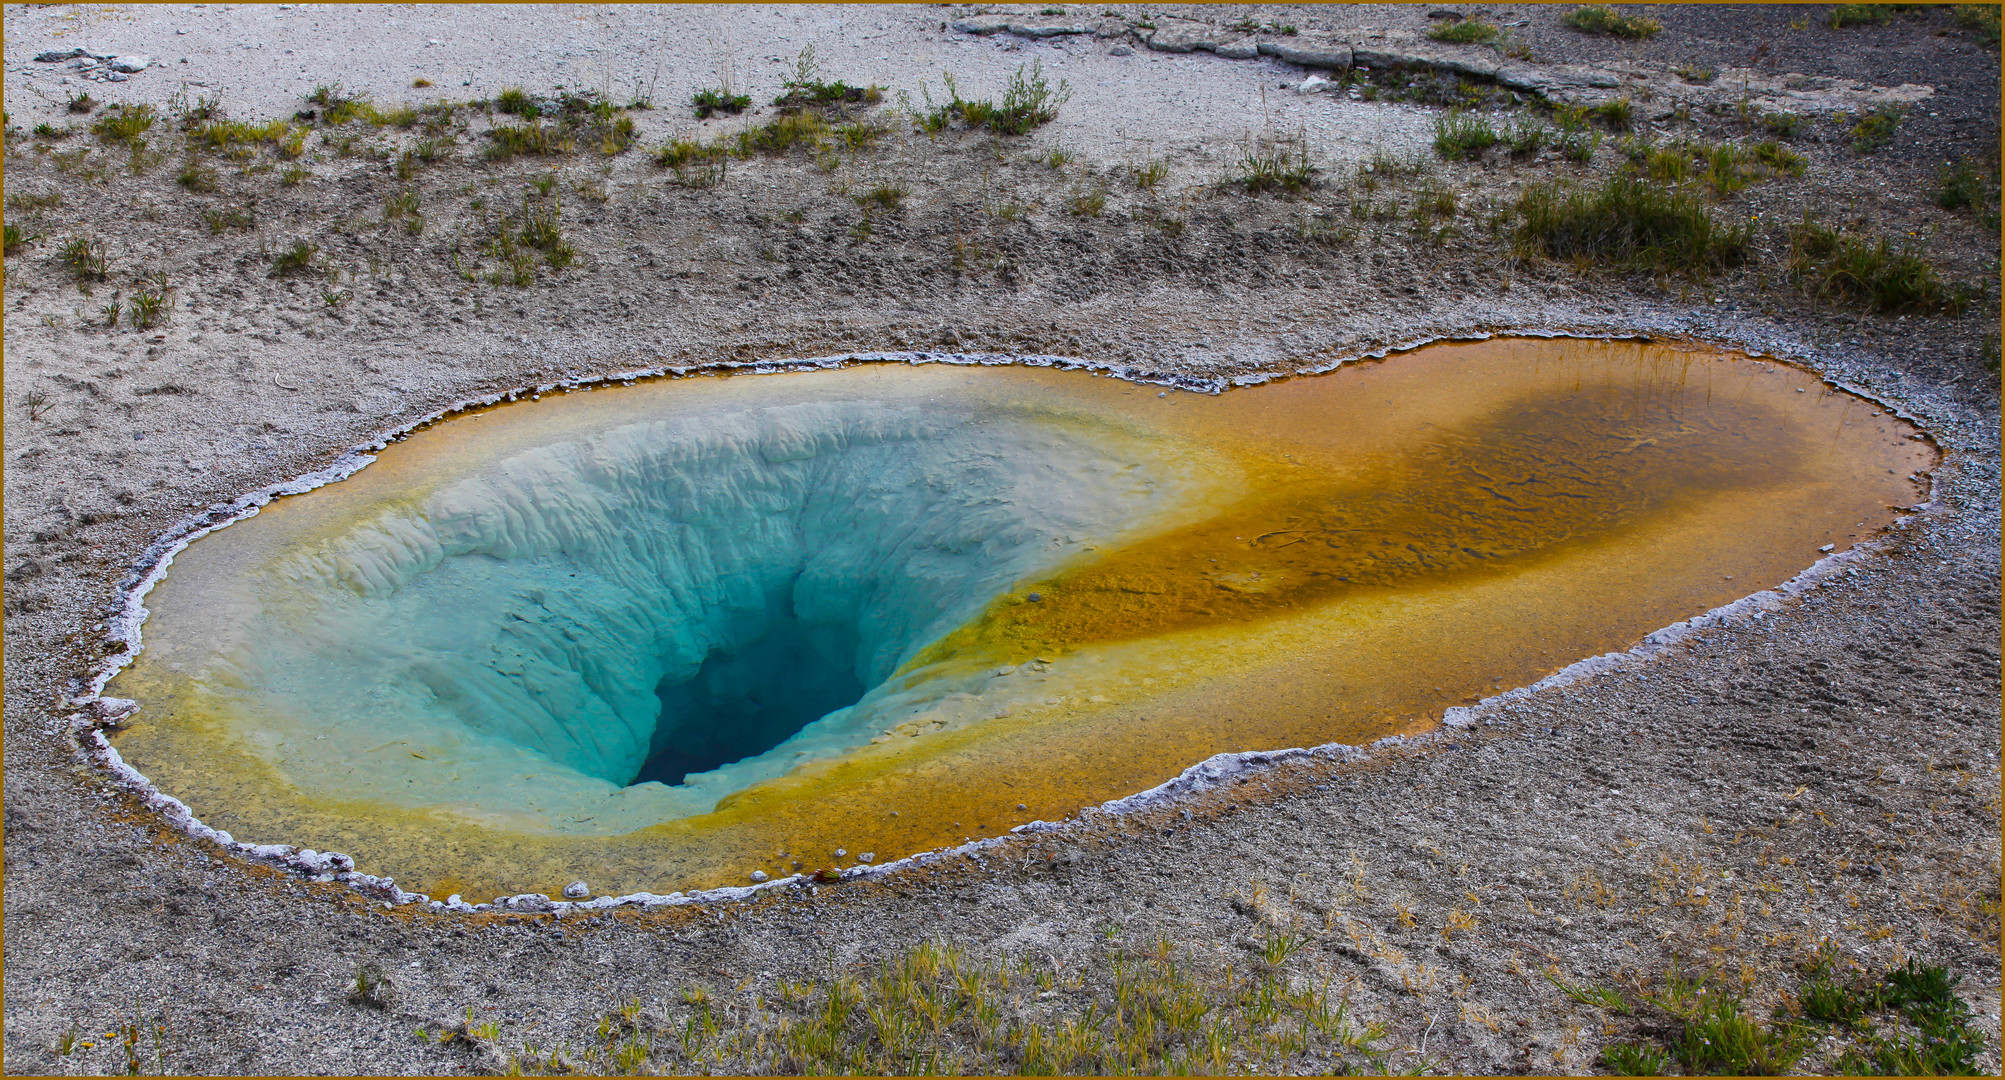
column 1981, row 20
column 1269, row 167
column 1875, row 129
column 710, row 102
column 1845, row 15
column 1627, row 224
column 1464, row 32
column 83, row 256
column 1867, row 271
column 1602, row 19
column 124, row 123
column 296, row 260
column 1461, row 136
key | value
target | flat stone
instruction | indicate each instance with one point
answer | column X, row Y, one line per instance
column 1043, row 29
column 1315, row 53
column 1240, row 49
column 1120, row 50
column 131, row 64
column 982, row 24
column 577, row 890
column 758, row 877
column 58, row 55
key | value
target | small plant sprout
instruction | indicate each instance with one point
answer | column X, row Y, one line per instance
column 111, row 310
column 36, row 403
column 149, row 307
column 297, row 259
column 85, row 259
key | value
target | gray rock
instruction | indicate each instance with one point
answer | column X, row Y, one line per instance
column 758, row 877
column 1120, row 50
column 577, row 890
column 982, row 24
column 131, row 64
column 1047, row 29
column 58, row 55
column 1326, row 54
column 1240, row 49
column 868, row 856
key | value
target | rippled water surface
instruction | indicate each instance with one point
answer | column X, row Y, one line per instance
column 661, row 636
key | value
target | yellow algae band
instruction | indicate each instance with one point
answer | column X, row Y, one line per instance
column 664, row 636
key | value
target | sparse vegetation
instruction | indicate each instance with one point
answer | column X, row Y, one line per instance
column 81, row 102
column 1981, row 20
column 1269, row 167
column 1698, row 74
column 1148, row 174
column 225, row 220
column 150, row 305
column 1461, row 136
column 933, row 1010
column 1844, row 15
column 199, row 178
column 18, row 237
column 1029, row 102
column 297, row 259
column 124, row 123
column 84, row 257
column 1875, row 128
column 505, row 251
column 1088, row 203
column 1464, row 32
column 1627, row 224
column 1602, row 19
column 711, row 102
column 1972, row 183
column 1867, row 270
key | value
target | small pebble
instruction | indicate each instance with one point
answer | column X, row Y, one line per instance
column 868, row 856
column 1021, row 806
column 840, row 852
column 577, row 890
column 758, row 876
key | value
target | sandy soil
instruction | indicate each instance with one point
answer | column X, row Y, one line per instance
column 1830, row 768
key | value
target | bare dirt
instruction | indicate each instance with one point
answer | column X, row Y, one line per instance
column 1826, row 773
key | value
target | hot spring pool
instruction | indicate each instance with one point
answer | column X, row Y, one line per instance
column 662, row 636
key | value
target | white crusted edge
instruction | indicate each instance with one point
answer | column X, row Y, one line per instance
column 95, row 713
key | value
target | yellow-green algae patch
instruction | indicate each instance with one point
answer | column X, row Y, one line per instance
column 1326, row 559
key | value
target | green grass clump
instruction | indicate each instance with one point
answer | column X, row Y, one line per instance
column 1981, row 20
column 1635, row 1059
column 531, row 139
column 1627, row 224
column 1970, row 183
column 124, row 123
column 1602, row 19
column 1461, row 136
column 516, row 101
column 1875, row 129
column 1270, row 167
column 1867, row 271
column 84, row 257
column 710, row 102
column 297, row 259
column 18, row 237
column 1718, row 1040
column 199, row 178
column 1464, row 32
column 1619, row 114
column 1527, row 137
column 1845, row 15
column 1029, row 102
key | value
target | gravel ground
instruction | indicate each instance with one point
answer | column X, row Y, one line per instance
column 1827, row 771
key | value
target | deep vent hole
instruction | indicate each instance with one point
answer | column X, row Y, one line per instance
column 780, row 675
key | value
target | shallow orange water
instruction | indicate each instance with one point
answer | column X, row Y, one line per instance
column 1375, row 545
